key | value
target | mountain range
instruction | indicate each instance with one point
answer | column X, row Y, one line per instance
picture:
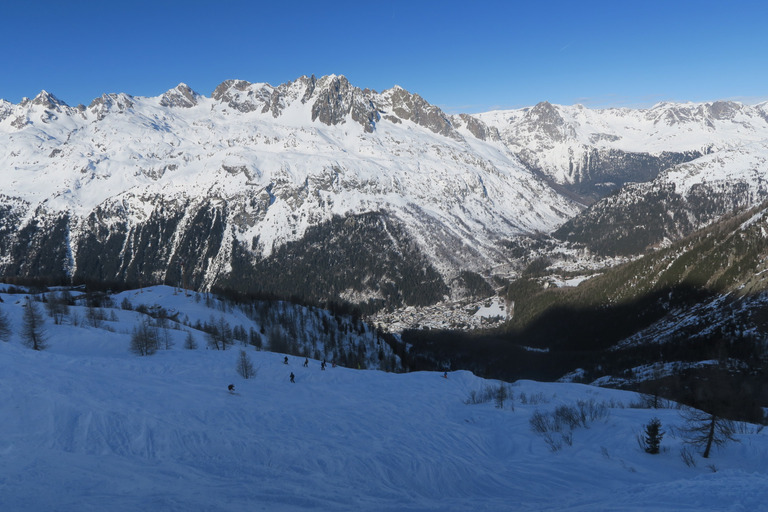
column 321, row 190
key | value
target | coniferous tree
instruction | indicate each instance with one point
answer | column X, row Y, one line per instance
column 255, row 339
column 32, row 331
column 652, row 436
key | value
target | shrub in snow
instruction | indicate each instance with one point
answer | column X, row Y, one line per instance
column 57, row 307
column 498, row 394
column 244, row 366
column 542, row 423
column 144, row 339
column 686, row 454
column 556, row 427
column 5, row 327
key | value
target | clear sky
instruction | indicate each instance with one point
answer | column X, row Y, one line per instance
column 465, row 56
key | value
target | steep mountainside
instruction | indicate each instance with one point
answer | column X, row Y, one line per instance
column 680, row 200
column 183, row 188
column 688, row 316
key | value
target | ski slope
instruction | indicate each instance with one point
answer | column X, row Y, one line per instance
column 88, row 426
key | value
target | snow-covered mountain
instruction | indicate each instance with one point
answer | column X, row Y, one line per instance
column 680, row 200
column 319, row 189
column 184, row 187
column 594, row 151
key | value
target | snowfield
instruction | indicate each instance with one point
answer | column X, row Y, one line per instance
column 88, row 426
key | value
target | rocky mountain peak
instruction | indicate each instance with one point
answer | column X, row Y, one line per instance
column 117, row 102
column 48, row 100
column 544, row 113
column 332, row 99
column 412, row 107
column 180, row 96
column 335, row 99
column 545, row 118
column 243, row 96
column 724, row 110
column 476, row 127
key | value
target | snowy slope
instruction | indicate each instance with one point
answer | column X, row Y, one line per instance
column 88, row 426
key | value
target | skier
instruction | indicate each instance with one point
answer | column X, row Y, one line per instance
column 306, row 362
column 231, row 388
column 445, row 375
column 292, row 378
column 285, row 361
column 322, row 366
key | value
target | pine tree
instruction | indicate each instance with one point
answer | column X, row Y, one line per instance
column 653, row 436
column 220, row 334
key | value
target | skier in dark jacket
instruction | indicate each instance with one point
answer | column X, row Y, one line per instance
column 292, row 378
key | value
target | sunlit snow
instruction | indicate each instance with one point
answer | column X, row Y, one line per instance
column 88, row 426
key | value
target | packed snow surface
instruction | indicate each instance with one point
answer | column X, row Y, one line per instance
column 88, row 426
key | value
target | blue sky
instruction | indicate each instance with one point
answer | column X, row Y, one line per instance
column 462, row 56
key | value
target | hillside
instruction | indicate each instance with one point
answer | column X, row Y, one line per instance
column 679, row 201
column 688, row 320
column 89, row 426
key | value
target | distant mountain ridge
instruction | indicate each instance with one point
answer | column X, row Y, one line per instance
column 596, row 151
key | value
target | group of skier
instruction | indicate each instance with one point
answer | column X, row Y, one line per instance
column 292, row 377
